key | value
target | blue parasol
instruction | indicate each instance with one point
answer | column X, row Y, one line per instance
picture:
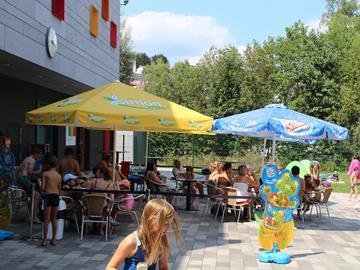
column 279, row 123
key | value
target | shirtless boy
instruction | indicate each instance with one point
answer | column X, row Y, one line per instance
column 50, row 186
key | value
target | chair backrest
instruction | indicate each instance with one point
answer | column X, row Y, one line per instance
column 17, row 194
column 211, row 188
column 242, row 188
column 327, row 194
column 70, row 203
column 94, row 204
column 153, row 186
column 231, row 192
column 138, row 201
column 149, row 184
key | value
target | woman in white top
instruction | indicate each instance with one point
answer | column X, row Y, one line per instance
column 241, row 184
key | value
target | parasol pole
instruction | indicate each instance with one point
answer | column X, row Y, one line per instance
column 146, row 149
column 263, row 154
column 32, row 211
column 273, row 149
column 114, row 159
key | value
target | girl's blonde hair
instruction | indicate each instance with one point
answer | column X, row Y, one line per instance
column 156, row 214
column 213, row 166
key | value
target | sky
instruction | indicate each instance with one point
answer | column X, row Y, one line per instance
column 186, row 29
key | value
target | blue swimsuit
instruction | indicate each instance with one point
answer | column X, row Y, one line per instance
column 131, row 262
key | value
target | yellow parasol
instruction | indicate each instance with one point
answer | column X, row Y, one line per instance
column 117, row 106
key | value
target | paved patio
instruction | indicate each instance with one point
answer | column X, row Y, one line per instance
column 209, row 244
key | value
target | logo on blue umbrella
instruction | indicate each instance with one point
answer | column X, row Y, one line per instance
column 295, row 126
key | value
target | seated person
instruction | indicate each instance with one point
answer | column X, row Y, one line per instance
column 70, row 181
column 151, row 174
column 316, row 189
column 308, row 183
column 224, row 179
column 253, row 182
column 69, row 164
column 122, row 182
column 28, row 174
column 216, row 168
column 241, row 184
column 247, row 176
column 102, row 180
column 118, row 179
column 107, row 161
column 189, row 175
column 162, row 177
column 311, row 192
column 177, row 170
column 206, row 171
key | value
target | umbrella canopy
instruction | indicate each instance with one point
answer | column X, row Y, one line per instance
column 117, row 106
column 276, row 121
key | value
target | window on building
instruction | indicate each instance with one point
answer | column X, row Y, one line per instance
column 94, row 21
column 58, row 9
column 113, row 34
column 105, row 9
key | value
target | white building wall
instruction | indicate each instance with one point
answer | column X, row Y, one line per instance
column 125, row 140
column 80, row 56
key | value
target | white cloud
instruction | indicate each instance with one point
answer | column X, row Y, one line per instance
column 241, row 48
column 177, row 36
column 315, row 24
column 193, row 60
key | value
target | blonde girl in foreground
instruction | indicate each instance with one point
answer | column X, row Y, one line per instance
column 148, row 245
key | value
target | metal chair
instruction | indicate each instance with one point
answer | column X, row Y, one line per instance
column 154, row 186
column 323, row 203
column 92, row 206
column 121, row 208
column 212, row 198
column 18, row 197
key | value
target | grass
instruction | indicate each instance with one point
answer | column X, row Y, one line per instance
column 343, row 187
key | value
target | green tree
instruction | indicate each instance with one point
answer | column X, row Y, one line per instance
column 306, row 73
column 346, row 7
column 156, row 57
column 157, row 78
column 142, row 59
column 127, row 54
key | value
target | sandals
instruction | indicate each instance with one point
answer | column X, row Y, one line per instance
column 53, row 243
column 44, row 243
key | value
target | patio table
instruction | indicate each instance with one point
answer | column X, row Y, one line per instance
column 188, row 194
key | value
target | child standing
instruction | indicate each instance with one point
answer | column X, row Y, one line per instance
column 353, row 182
column 50, row 186
column 149, row 244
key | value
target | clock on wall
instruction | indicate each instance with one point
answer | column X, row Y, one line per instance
column 51, row 42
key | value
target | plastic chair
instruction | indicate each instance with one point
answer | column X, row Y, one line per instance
column 121, row 208
column 71, row 210
column 232, row 204
column 229, row 204
column 92, row 206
